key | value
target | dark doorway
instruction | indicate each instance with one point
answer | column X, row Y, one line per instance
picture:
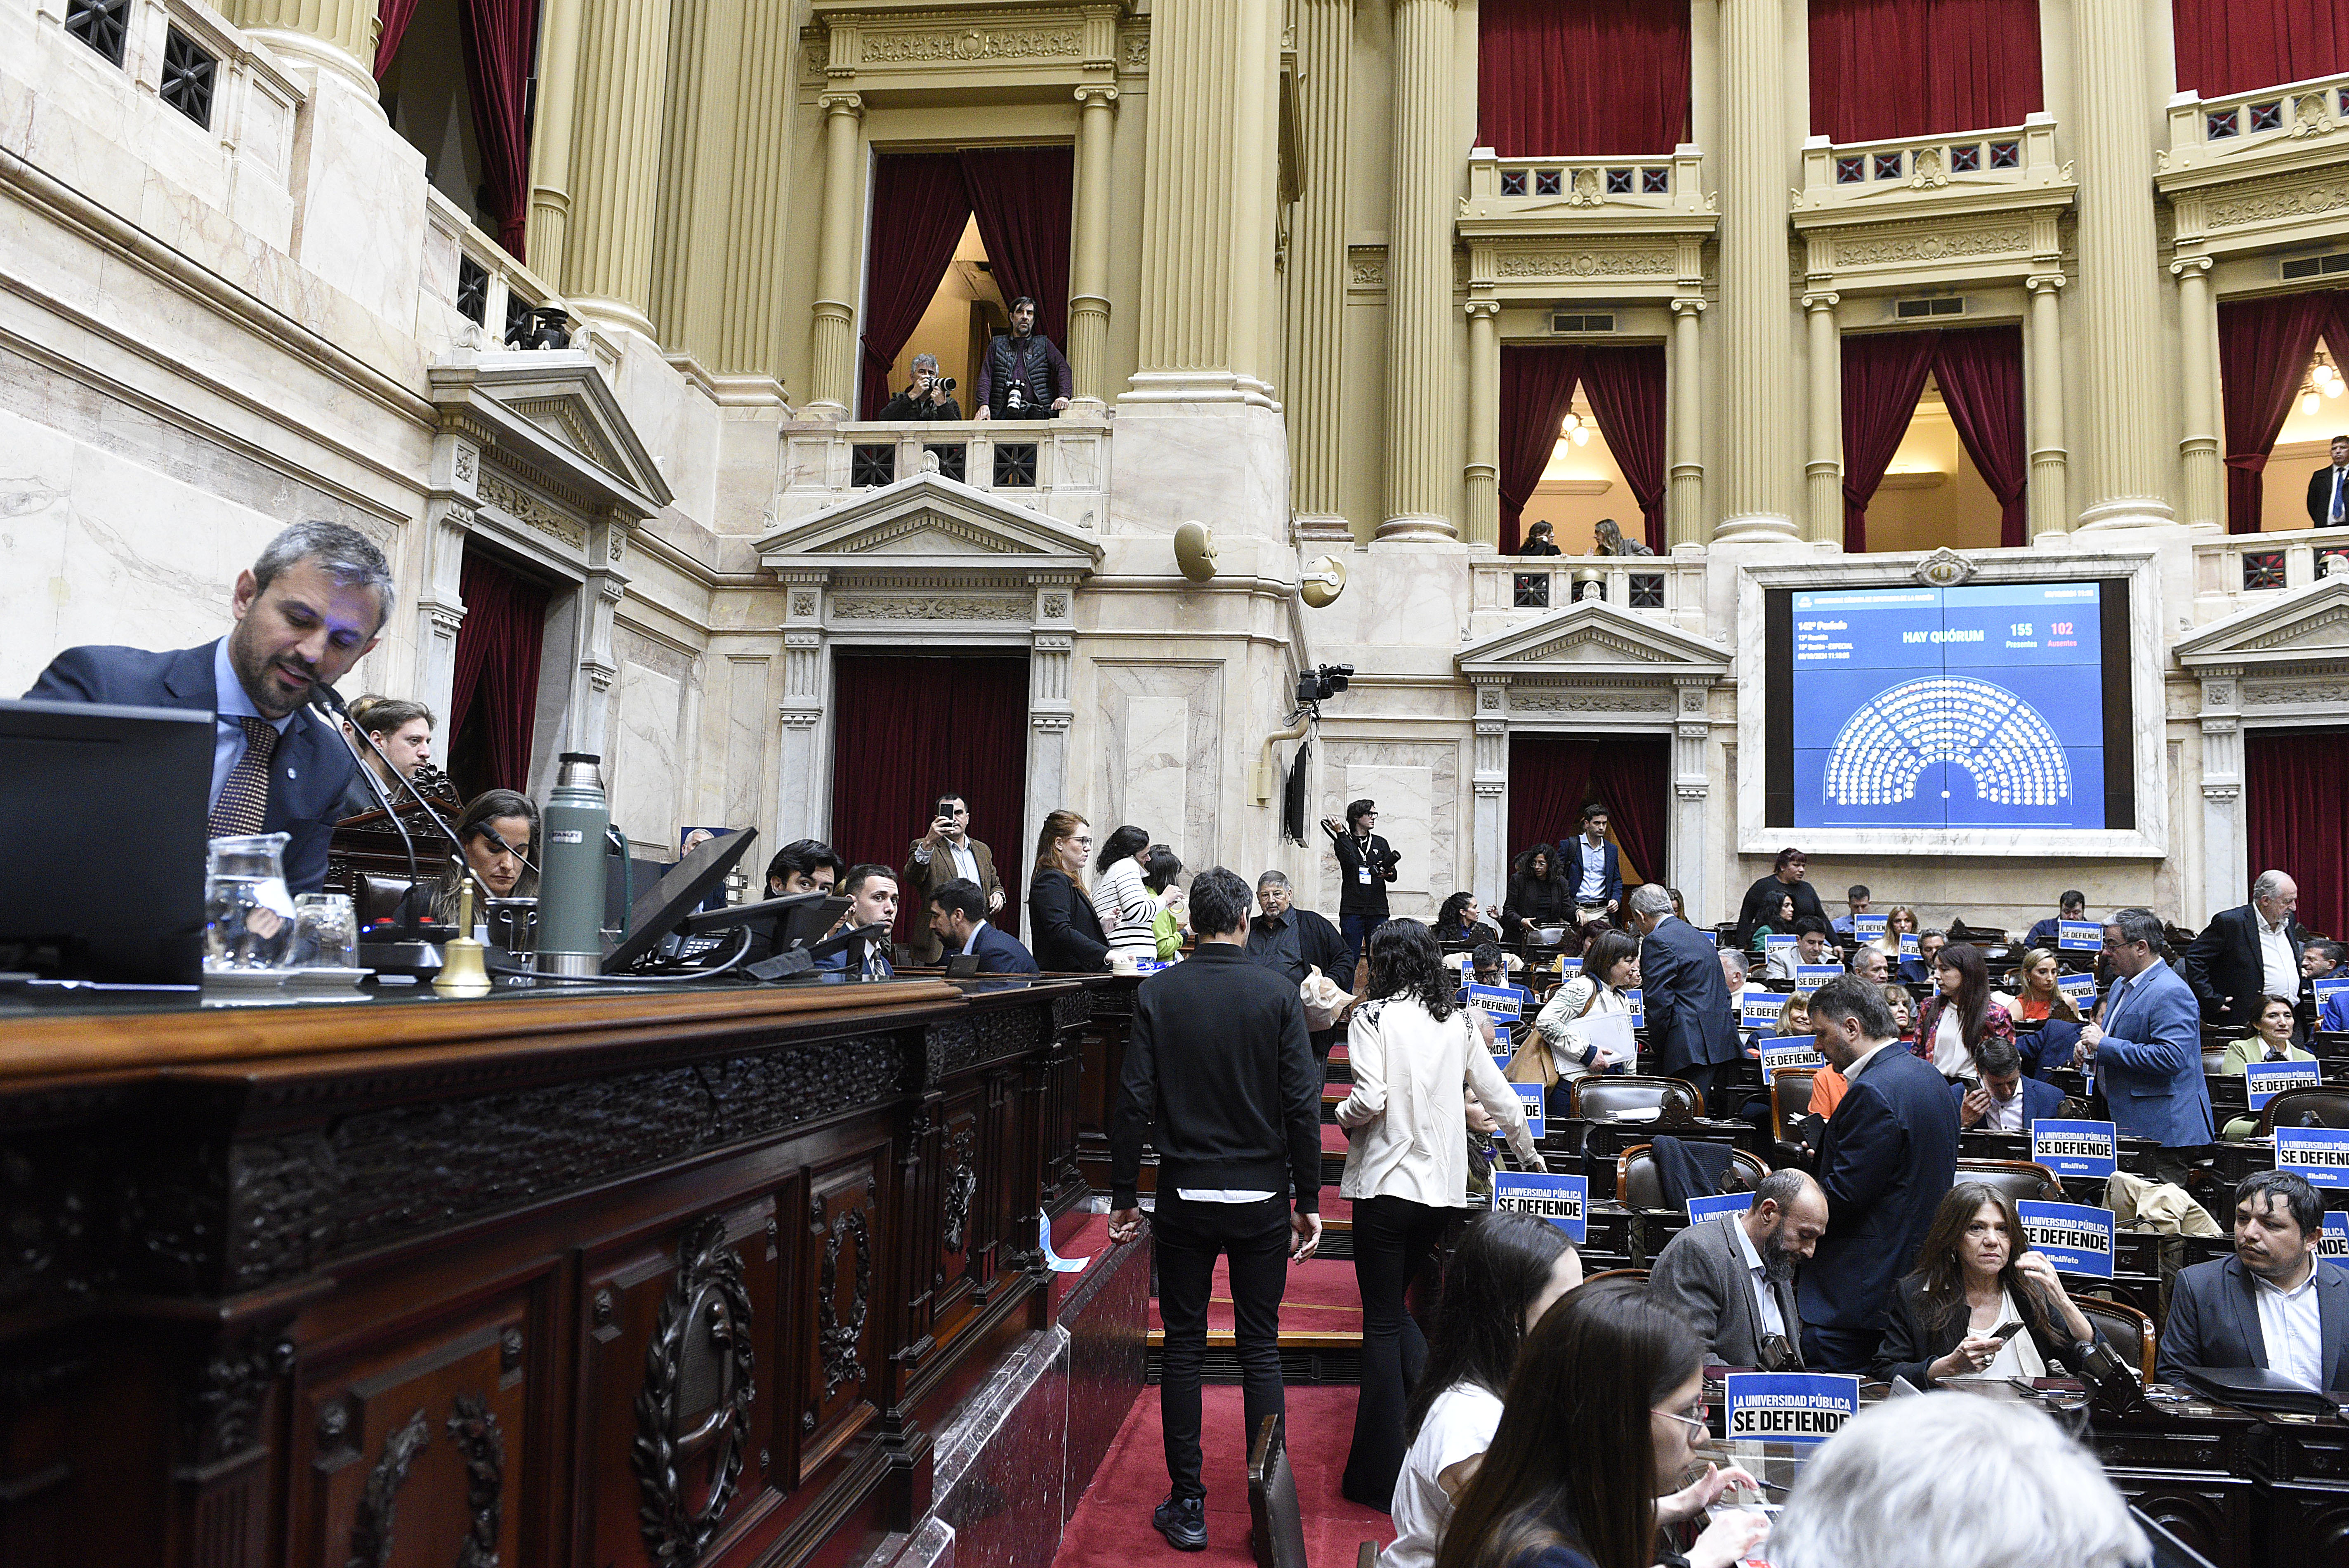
column 493, row 702
column 1553, row 776
column 2292, row 801
column 909, row 729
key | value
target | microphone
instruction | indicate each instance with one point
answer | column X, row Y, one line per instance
column 406, row 904
column 324, row 694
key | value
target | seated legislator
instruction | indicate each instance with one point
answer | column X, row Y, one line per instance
column 2321, row 959
column 1919, row 971
column 1538, row 894
column 1460, row 922
column 1733, row 1276
column 2003, row 1101
column 1855, row 900
column 2269, row 1041
column 2036, row 998
column 1813, row 945
column 803, row 865
column 872, row 894
column 401, row 731
column 1062, row 925
column 1972, row 1278
column 958, row 923
column 499, row 831
column 2272, row 1305
column 2146, row 1047
column 2072, row 905
column 306, row 611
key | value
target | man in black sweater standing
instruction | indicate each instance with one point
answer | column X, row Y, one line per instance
column 1220, row 1080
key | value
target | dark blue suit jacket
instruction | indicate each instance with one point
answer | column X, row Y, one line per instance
column 1887, row 1158
column 1569, row 859
column 2214, row 1320
column 2038, row 1099
column 998, row 954
column 1686, row 999
column 307, row 775
column 2043, row 934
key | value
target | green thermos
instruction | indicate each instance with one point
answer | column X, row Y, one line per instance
column 571, row 869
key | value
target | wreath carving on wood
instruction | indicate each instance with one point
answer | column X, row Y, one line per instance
column 701, row 1344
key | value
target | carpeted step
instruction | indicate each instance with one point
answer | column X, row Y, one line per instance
column 1322, row 1305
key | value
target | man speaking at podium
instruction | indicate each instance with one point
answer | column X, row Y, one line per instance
column 307, row 611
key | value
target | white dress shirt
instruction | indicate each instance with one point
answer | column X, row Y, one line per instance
column 1766, row 1300
column 2281, row 974
column 1593, row 887
column 966, row 862
column 2295, row 1331
column 2005, row 1115
column 972, row 945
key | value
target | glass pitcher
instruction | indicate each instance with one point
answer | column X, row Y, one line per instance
column 248, row 913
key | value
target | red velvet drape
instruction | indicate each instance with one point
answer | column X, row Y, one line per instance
column 2291, row 796
column 392, row 17
column 1917, row 67
column 1537, row 387
column 908, row 729
column 1627, row 398
column 1567, row 78
column 1553, row 776
column 501, row 46
column 920, row 205
column 498, row 646
column 1981, row 372
column 1025, row 197
column 2264, row 347
column 1883, row 376
column 2237, row 46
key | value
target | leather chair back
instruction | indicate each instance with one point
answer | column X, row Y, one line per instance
column 1278, row 1537
column 1790, row 1100
column 2018, row 1179
column 1603, row 1095
column 1637, row 1277
column 1640, row 1185
column 2327, row 1104
column 2129, row 1332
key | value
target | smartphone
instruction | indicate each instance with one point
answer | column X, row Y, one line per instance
column 2006, row 1331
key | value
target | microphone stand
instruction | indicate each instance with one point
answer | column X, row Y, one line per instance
column 406, row 909
column 411, row 960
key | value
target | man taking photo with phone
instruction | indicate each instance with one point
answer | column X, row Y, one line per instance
column 944, row 853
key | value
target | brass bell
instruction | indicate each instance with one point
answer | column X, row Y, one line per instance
column 464, row 972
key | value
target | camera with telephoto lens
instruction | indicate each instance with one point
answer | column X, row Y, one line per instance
column 944, row 383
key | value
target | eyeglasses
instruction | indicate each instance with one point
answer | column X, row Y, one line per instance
column 1080, row 840
column 1704, row 1428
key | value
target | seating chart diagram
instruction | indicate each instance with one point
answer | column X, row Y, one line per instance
column 1991, row 733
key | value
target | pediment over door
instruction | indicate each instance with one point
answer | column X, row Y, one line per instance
column 1592, row 640
column 926, row 522
column 2304, row 632
column 551, row 418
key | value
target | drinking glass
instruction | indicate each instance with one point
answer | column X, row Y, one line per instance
column 248, row 913
column 326, row 931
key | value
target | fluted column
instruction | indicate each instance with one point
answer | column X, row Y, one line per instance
column 831, row 346
column 2125, row 470
column 559, row 23
column 1484, row 470
column 2049, row 503
column 1757, row 339
column 335, row 35
column 1317, row 266
column 1684, row 504
column 1420, row 439
column 1822, row 475
column 1088, row 280
column 749, row 358
column 608, row 260
column 2204, row 490
column 696, row 175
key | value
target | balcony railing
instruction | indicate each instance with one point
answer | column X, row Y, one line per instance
column 1532, row 585
column 1906, row 167
column 483, row 296
column 2243, row 568
column 1055, row 466
column 2214, row 130
column 1670, row 182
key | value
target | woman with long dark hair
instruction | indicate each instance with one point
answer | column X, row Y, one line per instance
column 1120, row 892
column 1537, row 894
column 1508, row 1271
column 1412, row 1052
column 1972, row 1276
column 1460, row 922
column 1065, row 932
column 1602, row 1418
column 499, row 832
column 1959, row 1016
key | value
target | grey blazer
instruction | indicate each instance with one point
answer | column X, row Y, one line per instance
column 2214, row 1320
column 1701, row 1276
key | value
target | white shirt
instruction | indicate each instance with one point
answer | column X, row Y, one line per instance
column 1403, row 1116
column 1459, row 1426
column 1859, row 1064
column 2005, row 1115
column 231, row 706
column 1594, row 871
column 2019, row 1356
column 972, row 945
column 966, row 861
column 2295, row 1331
column 1950, row 1058
column 1766, row 1300
column 2275, row 956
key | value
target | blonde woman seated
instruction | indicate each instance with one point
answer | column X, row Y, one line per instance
column 2269, row 1041
column 2036, row 999
column 1587, row 1025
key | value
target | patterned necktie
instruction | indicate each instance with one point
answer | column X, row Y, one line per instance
column 245, row 798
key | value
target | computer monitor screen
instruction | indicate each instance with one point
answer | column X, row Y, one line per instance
column 102, row 841
column 662, row 908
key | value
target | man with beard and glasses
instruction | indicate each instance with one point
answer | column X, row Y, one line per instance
column 1022, row 375
column 1733, row 1276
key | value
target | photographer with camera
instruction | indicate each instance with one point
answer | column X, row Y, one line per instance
column 931, row 397
column 946, row 853
column 1366, row 864
column 1023, row 376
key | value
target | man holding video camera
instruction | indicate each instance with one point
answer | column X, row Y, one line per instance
column 946, row 852
column 931, row 397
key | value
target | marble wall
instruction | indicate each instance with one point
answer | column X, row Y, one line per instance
column 1416, row 785
column 651, row 757
column 1157, row 738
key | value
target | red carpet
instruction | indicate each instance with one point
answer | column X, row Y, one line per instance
column 1321, row 1298
column 1113, row 1522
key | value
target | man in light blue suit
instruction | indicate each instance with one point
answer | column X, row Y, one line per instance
column 2146, row 1047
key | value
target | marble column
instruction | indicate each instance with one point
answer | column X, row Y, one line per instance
column 696, row 182
column 2051, row 513
column 1088, row 282
column 1317, row 266
column 2125, row 470
column 1489, row 827
column 1052, row 646
column 2226, row 850
column 559, row 24
column 1757, row 334
column 1691, row 789
column 1684, row 504
column 1420, row 439
column 2204, row 492
column 338, row 36
column 607, row 262
column 1484, row 470
column 1822, row 475
column 750, row 325
column 803, row 773
column 832, row 345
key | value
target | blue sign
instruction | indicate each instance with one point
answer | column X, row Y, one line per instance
column 1535, row 1106
column 1868, row 927
column 1909, row 948
column 1703, row 1209
column 1567, row 968
column 2079, row 936
column 1810, row 977
column 2326, row 989
column 1498, row 1001
column 1789, row 1406
column 1774, row 946
column 2262, row 1082
column 2075, row 1238
column 2333, row 1246
column 2080, row 990
column 2075, row 1148
column 1151, row 966
column 1761, row 1008
column 2318, row 1153
column 1639, row 1008
column 1563, row 1201
column 1790, row 1051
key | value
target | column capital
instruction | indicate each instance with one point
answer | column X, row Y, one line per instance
column 1692, row 305
column 2046, row 283
column 1488, row 308
column 849, row 103
column 1096, row 95
column 1821, row 299
column 2185, row 265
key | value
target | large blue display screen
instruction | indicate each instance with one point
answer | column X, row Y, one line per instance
column 1961, row 708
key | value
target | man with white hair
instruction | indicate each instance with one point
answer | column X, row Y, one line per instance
column 1954, row 1480
column 2247, row 952
column 931, row 397
column 1682, row 991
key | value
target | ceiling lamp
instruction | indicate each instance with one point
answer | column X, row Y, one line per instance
column 2309, row 402
column 1581, row 435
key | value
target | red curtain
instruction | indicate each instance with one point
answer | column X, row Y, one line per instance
column 2292, row 795
column 1883, row 377
column 920, row 206
column 1537, row 387
column 497, row 664
column 1919, row 68
column 1024, row 197
column 2237, row 45
column 1567, row 78
column 393, row 16
column 1553, row 776
column 1981, row 372
column 906, row 729
column 1627, row 398
column 2264, row 347
column 501, row 46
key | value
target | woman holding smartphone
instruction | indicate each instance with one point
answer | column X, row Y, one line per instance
column 1978, row 1304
